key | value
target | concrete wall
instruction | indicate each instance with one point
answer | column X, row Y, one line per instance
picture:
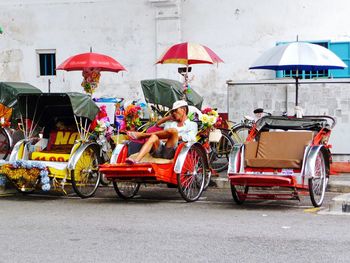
column 136, row 32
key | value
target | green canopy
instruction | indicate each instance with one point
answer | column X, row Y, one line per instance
column 166, row 91
column 49, row 108
column 9, row 92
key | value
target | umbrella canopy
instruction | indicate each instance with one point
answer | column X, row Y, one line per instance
column 47, row 108
column 9, row 92
column 189, row 53
column 91, row 60
column 166, row 91
column 298, row 56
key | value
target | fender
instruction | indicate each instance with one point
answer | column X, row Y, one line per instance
column 116, row 152
column 9, row 136
column 310, row 160
column 183, row 153
column 72, row 162
column 236, row 153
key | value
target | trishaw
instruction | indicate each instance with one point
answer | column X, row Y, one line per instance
column 9, row 114
column 57, row 149
column 189, row 169
column 282, row 158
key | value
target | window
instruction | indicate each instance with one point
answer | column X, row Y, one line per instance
column 46, row 62
column 341, row 49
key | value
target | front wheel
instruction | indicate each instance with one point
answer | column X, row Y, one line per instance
column 318, row 183
column 85, row 175
column 126, row 190
column 190, row 181
column 219, row 152
column 239, row 193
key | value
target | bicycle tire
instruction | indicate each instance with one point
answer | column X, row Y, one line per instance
column 219, row 154
column 240, row 133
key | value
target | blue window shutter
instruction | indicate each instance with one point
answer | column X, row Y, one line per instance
column 342, row 50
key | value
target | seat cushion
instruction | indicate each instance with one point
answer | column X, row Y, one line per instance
column 150, row 159
column 273, row 163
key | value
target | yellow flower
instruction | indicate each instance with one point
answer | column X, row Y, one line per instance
column 204, row 118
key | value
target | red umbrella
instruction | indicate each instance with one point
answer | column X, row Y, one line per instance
column 91, row 60
column 91, row 64
column 189, row 53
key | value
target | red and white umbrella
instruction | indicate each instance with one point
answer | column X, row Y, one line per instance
column 188, row 54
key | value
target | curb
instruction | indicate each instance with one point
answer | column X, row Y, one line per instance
column 340, row 205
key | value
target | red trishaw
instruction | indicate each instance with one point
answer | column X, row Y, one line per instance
column 280, row 154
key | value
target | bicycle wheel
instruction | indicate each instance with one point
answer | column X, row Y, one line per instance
column 126, row 190
column 220, row 151
column 240, row 133
column 85, row 175
column 318, row 183
column 4, row 144
column 190, row 180
column 239, row 193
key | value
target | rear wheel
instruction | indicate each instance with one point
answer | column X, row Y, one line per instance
column 190, row 180
column 126, row 190
column 104, row 181
column 318, row 183
column 239, row 193
column 85, row 175
column 240, row 133
column 220, row 151
column 4, row 144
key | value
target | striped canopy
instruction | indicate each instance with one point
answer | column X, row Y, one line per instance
column 189, row 53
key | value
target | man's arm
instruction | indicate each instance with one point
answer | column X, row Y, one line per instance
column 164, row 120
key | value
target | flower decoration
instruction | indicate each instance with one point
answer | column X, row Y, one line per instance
column 25, row 174
column 91, row 80
column 209, row 119
column 132, row 116
column 101, row 124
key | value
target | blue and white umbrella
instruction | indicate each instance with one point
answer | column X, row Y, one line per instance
column 298, row 56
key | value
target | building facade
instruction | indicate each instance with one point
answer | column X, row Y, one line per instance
column 38, row 35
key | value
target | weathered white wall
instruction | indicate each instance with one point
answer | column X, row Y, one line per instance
column 136, row 32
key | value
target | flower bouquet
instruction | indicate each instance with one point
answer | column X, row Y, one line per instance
column 132, row 117
column 210, row 119
column 91, row 80
column 26, row 174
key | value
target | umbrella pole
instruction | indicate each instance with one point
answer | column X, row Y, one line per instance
column 296, row 87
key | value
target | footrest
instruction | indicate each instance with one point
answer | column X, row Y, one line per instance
column 123, row 171
column 261, row 180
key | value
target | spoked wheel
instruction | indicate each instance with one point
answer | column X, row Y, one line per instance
column 220, row 151
column 190, row 181
column 240, row 133
column 85, row 175
column 4, row 144
column 239, row 193
column 318, row 183
column 207, row 179
column 126, row 190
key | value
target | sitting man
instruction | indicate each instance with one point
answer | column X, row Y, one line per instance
column 176, row 127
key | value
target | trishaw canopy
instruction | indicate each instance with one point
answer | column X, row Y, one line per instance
column 9, row 92
column 166, row 91
column 45, row 107
column 314, row 123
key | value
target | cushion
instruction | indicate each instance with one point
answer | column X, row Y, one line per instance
column 273, row 163
column 250, row 149
column 62, row 137
column 283, row 145
column 150, row 159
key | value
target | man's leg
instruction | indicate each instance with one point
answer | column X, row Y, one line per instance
column 152, row 143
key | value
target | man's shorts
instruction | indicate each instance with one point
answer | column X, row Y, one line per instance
column 164, row 152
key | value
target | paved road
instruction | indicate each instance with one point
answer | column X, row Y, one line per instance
column 158, row 226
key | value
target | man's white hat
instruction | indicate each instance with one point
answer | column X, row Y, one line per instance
column 178, row 104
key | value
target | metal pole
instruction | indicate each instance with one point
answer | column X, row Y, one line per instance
column 296, row 91
column 49, row 85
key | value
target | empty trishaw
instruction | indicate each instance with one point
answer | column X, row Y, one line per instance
column 64, row 155
column 187, row 170
column 288, row 156
column 9, row 114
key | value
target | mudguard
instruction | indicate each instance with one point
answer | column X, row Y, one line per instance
column 77, row 154
column 183, row 153
column 236, row 159
column 116, row 152
column 310, row 160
